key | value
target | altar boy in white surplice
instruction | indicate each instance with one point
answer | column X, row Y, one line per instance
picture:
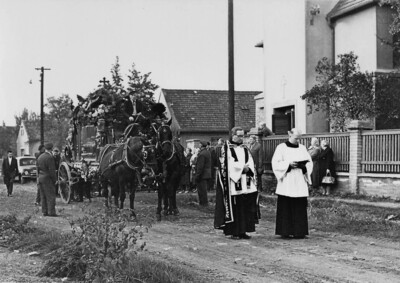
column 292, row 166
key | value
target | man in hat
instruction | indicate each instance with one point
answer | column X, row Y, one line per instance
column 203, row 173
column 47, row 181
column 10, row 170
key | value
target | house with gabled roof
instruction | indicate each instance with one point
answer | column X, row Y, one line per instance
column 299, row 33
column 203, row 114
column 28, row 139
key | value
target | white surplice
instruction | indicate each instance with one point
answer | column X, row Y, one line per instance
column 235, row 170
column 293, row 183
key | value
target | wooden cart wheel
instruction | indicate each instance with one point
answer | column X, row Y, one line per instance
column 64, row 182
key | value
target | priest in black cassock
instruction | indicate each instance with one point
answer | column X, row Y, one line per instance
column 236, row 209
column 292, row 166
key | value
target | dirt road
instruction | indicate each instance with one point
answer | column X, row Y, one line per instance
column 191, row 240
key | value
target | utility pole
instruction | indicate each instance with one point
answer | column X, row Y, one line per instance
column 231, row 75
column 42, row 69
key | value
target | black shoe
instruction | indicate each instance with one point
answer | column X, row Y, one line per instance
column 235, row 237
column 45, row 214
column 245, row 236
column 285, row 236
column 53, row 215
column 299, row 237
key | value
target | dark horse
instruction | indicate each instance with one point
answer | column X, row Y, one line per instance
column 171, row 157
column 120, row 166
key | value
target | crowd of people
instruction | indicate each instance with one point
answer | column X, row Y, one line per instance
column 231, row 170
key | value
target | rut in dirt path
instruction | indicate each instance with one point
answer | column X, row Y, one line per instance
column 322, row 257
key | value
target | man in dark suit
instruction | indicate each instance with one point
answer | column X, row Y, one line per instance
column 47, row 181
column 37, row 154
column 257, row 154
column 203, row 173
column 10, row 170
column 57, row 160
column 214, row 167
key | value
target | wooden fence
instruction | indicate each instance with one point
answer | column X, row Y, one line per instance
column 339, row 142
column 381, row 151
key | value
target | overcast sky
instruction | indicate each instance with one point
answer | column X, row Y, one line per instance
column 184, row 43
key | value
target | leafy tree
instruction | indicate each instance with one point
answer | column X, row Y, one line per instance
column 116, row 73
column 343, row 91
column 395, row 6
column 387, row 88
column 140, row 84
column 59, row 108
column 7, row 140
column 116, row 89
column 57, row 119
column 25, row 115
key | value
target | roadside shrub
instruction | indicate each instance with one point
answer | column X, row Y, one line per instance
column 98, row 247
column 12, row 228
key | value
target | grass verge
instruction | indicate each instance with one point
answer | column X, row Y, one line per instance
column 103, row 247
column 331, row 215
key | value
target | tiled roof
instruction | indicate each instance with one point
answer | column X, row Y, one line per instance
column 344, row 7
column 207, row 110
column 32, row 129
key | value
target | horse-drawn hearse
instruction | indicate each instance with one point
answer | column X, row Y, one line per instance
column 129, row 153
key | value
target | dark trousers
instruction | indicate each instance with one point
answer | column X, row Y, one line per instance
column 84, row 189
column 202, row 188
column 259, row 182
column 47, row 197
column 38, row 194
column 9, row 184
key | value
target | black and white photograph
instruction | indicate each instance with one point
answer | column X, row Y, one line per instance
column 200, row 141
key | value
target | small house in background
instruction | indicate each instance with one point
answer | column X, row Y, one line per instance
column 204, row 114
column 28, row 139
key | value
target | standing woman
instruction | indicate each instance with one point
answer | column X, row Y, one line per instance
column 292, row 166
column 314, row 150
column 326, row 165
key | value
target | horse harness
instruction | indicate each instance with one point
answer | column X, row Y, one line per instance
column 164, row 142
column 124, row 158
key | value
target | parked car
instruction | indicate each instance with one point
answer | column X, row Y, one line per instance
column 26, row 168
